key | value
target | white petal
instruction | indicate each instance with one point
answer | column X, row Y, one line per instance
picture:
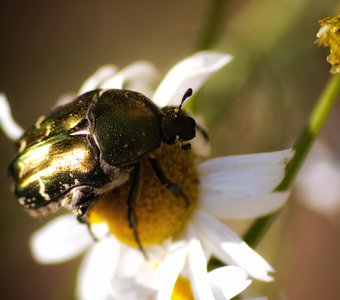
column 198, row 272
column 133, row 276
column 60, row 240
column 138, row 76
column 241, row 186
column 318, row 182
column 246, row 161
column 228, row 281
column 191, row 72
column 114, row 82
column 168, row 272
column 127, row 288
column 97, row 270
column 223, row 206
column 200, row 145
column 65, row 99
column 226, row 245
column 7, row 122
column 131, row 260
column 94, row 81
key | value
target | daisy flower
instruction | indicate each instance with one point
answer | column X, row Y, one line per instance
column 179, row 238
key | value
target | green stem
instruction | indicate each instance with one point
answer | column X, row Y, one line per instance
column 314, row 125
column 302, row 147
column 211, row 31
column 213, row 24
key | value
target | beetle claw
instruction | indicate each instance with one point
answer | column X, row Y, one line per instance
column 81, row 219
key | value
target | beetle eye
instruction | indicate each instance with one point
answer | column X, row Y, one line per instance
column 186, row 127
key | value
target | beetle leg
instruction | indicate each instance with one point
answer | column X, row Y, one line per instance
column 172, row 187
column 185, row 147
column 133, row 194
column 83, row 220
column 84, row 198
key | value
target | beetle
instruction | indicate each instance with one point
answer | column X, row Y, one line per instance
column 89, row 146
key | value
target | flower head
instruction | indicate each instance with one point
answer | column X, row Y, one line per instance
column 329, row 36
column 180, row 234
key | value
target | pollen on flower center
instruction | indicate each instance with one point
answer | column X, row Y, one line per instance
column 160, row 215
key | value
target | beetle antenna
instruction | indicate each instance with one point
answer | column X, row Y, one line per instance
column 186, row 95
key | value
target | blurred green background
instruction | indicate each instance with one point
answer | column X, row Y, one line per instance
column 258, row 103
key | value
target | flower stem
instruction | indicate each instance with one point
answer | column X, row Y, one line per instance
column 213, row 24
column 302, row 147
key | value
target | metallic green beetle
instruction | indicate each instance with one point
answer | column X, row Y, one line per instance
column 91, row 145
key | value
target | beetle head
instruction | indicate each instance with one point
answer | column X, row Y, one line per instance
column 176, row 124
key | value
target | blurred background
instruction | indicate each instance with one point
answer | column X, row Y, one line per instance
column 260, row 102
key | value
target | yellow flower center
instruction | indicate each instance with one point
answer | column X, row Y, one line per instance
column 182, row 290
column 329, row 36
column 160, row 215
